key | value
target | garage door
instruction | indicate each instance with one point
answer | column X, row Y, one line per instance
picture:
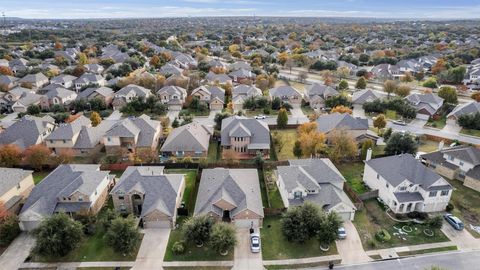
column 157, row 224
column 423, row 116
column 345, row 216
column 216, row 106
column 451, row 122
column 29, row 225
column 246, row 223
column 175, row 107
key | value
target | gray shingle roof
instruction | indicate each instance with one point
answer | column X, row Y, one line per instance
column 259, row 130
column 142, row 126
column 322, row 90
column 396, row 169
column 191, row 137
column 62, row 182
column 160, row 189
column 366, row 95
column 10, row 177
column 66, row 131
column 240, row 187
column 284, row 91
column 26, row 131
column 467, row 108
column 329, row 122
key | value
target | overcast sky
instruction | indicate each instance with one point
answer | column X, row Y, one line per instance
column 433, row 9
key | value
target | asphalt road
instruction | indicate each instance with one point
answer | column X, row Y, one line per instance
column 450, row 261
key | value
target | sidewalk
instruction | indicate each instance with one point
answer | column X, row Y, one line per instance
column 390, row 253
column 326, row 259
column 75, row 265
column 17, row 251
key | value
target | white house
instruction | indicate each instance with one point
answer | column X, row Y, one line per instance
column 406, row 185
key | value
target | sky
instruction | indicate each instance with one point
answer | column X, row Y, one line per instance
column 85, row 9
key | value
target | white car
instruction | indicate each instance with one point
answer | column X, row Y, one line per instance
column 255, row 242
column 342, row 233
column 260, row 117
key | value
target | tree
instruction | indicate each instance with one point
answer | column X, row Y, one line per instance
column 78, row 71
column 400, row 143
column 380, row 122
column 408, row 77
column 57, row 235
column 223, row 237
column 290, row 63
column 297, row 149
column 10, row 155
column 301, row 223
column 430, row 83
column 339, row 100
column 343, row 85
column 219, row 118
column 282, row 118
column 367, row 144
column 33, row 109
column 58, row 45
column 476, row 96
column 328, row 78
column 449, row 94
column 435, row 222
column 123, row 235
column 9, row 228
column 470, row 121
column 95, row 118
column 328, row 228
column 389, row 87
column 37, row 156
column 341, row 109
column 82, row 59
column 343, row 72
column 403, row 90
column 311, row 140
column 439, row 66
column 6, row 71
column 302, row 76
column 343, row 145
column 198, row 229
column 361, row 83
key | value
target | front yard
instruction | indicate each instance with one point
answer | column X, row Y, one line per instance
column 353, row 173
column 276, row 247
column 373, row 218
column 283, row 141
column 471, row 132
column 440, row 123
column 467, row 205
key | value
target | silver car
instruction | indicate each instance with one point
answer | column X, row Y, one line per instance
column 255, row 242
column 342, row 233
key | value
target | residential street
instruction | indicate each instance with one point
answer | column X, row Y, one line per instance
column 453, row 261
column 152, row 250
column 351, row 249
column 463, row 239
column 17, row 252
column 244, row 258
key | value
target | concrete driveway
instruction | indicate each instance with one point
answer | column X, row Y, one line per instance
column 17, row 252
column 172, row 114
column 350, row 249
column 419, row 123
column 116, row 115
column 243, row 257
column 452, row 128
column 463, row 239
column 152, row 249
column 358, row 111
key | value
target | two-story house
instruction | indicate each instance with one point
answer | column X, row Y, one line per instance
column 89, row 79
column 57, row 96
column 34, row 81
column 128, row 93
column 241, row 93
column 65, row 136
column 214, row 96
column 245, row 137
column 72, row 189
column 28, row 131
column 460, row 162
column 405, row 185
column 317, row 181
column 15, row 186
column 64, row 80
column 426, row 104
column 149, row 193
column 103, row 93
column 318, row 93
column 173, row 96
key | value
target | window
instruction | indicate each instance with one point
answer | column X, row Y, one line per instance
column 386, row 184
column 297, row 194
column 403, row 188
column 121, row 197
column 64, row 141
column 444, row 193
column 109, row 139
column 451, row 158
column 80, row 199
column 378, row 176
column 432, row 194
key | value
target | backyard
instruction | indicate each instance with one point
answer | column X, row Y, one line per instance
column 353, row 173
column 38, row 176
column 213, row 152
column 373, row 218
column 271, row 189
column 467, row 206
column 276, row 247
column 284, row 140
column 190, row 193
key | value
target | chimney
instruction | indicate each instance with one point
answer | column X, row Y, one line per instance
column 369, row 154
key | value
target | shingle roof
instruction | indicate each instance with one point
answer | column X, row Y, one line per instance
column 66, row 131
column 191, row 137
column 141, row 126
column 366, row 95
column 10, row 177
column 284, row 90
column 467, row 108
column 160, row 189
column 320, row 90
column 259, row 130
column 26, row 131
column 329, row 122
column 240, row 187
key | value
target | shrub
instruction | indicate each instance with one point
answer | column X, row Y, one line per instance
column 198, row 229
column 383, row 236
column 417, row 215
column 178, row 247
column 435, row 222
column 123, row 235
column 9, row 229
column 223, row 237
column 449, row 207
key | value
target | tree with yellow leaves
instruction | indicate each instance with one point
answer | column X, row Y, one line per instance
column 282, row 58
column 312, row 142
column 341, row 109
column 82, row 59
column 343, row 145
column 95, row 118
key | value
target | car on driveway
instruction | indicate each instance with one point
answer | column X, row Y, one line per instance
column 400, row 123
column 260, row 117
column 342, row 233
column 255, row 242
column 456, row 223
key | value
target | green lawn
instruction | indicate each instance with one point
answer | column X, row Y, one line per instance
column 391, row 115
column 194, row 113
column 276, row 247
column 192, row 252
column 190, row 193
column 353, row 173
column 370, row 220
column 467, row 206
column 252, row 113
column 272, row 191
column 38, row 176
column 307, row 110
column 284, row 140
column 378, row 150
column 425, row 251
column 428, row 146
column 101, row 268
column 440, row 123
column 471, row 132
column 212, row 152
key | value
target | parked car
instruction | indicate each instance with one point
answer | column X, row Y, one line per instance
column 255, row 242
column 260, row 117
column 456, row 223
column 342, row 233
column 400, row 123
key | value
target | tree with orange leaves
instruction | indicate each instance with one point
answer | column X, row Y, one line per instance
column 476, row 96
column 37, row 156
column 58, row 45
column 10, row 155
column 312, row 142
column 6, row 71
column 439, row 66
column 341, row 109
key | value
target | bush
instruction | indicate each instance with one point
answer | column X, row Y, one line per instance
column 123, row 235
column 435, row 222
column 9, row 229
column 178, row 247
column 449, row 207
column 198, row 229
column 383, row 236
column 417, row 215
column 223, row 237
